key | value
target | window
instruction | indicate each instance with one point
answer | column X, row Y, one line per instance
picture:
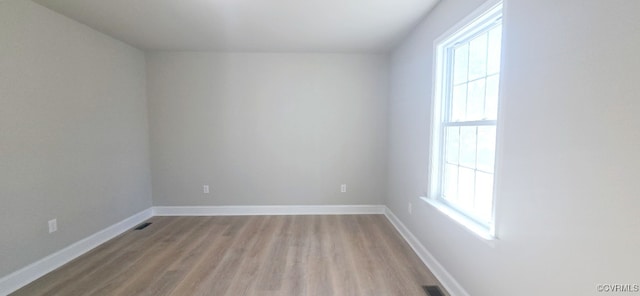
column 467, row 79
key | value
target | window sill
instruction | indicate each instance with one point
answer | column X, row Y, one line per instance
column 470, row 225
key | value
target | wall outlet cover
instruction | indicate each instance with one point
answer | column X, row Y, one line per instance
column 53, row 225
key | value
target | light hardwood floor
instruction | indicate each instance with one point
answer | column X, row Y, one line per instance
column 246, row 255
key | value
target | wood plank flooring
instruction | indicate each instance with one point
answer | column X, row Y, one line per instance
column 246, row 255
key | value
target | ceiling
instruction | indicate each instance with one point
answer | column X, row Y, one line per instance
column 250, row 25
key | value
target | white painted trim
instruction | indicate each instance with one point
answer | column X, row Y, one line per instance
column 269, row 210
column 26, row 275
column 478, row 230
column 450, row 284
column 472, row 17
column 481, row 19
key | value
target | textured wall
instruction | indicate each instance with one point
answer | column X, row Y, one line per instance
column 267, row 129
column 567, row 195
column 73, row 132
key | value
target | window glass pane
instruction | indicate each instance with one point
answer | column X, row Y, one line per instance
column 452, row 144
column 484, row 195
column 495, row 41
column 491, row 102
column 478, row 57
column 459, row 103
column 450, row 182
column 468, row 146
column 475, row 100
column 486, row 147
column 466, row 188
column 466, row 135
column 460, row 64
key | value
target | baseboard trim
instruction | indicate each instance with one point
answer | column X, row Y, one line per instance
column 26, row 275
column 453, row 287
column 269, row 210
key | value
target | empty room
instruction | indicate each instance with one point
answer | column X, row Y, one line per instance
column 320, row 147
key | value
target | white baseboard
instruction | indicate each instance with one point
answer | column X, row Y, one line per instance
column 269, row 210
column 24, row 276
column 450, row 284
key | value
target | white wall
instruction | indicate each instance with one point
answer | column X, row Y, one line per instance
column 73, row 132
column 267, row 129
column 567, row 211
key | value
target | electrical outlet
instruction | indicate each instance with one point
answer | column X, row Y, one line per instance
column 205, row 188
column 53, row 225
column 343, row 188
column 410, row 208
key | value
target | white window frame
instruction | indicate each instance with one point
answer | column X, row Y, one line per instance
column 484, row 17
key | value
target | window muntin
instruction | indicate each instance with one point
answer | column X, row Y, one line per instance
column 466, row 127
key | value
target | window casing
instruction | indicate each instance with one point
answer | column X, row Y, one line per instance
column 467, row 80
